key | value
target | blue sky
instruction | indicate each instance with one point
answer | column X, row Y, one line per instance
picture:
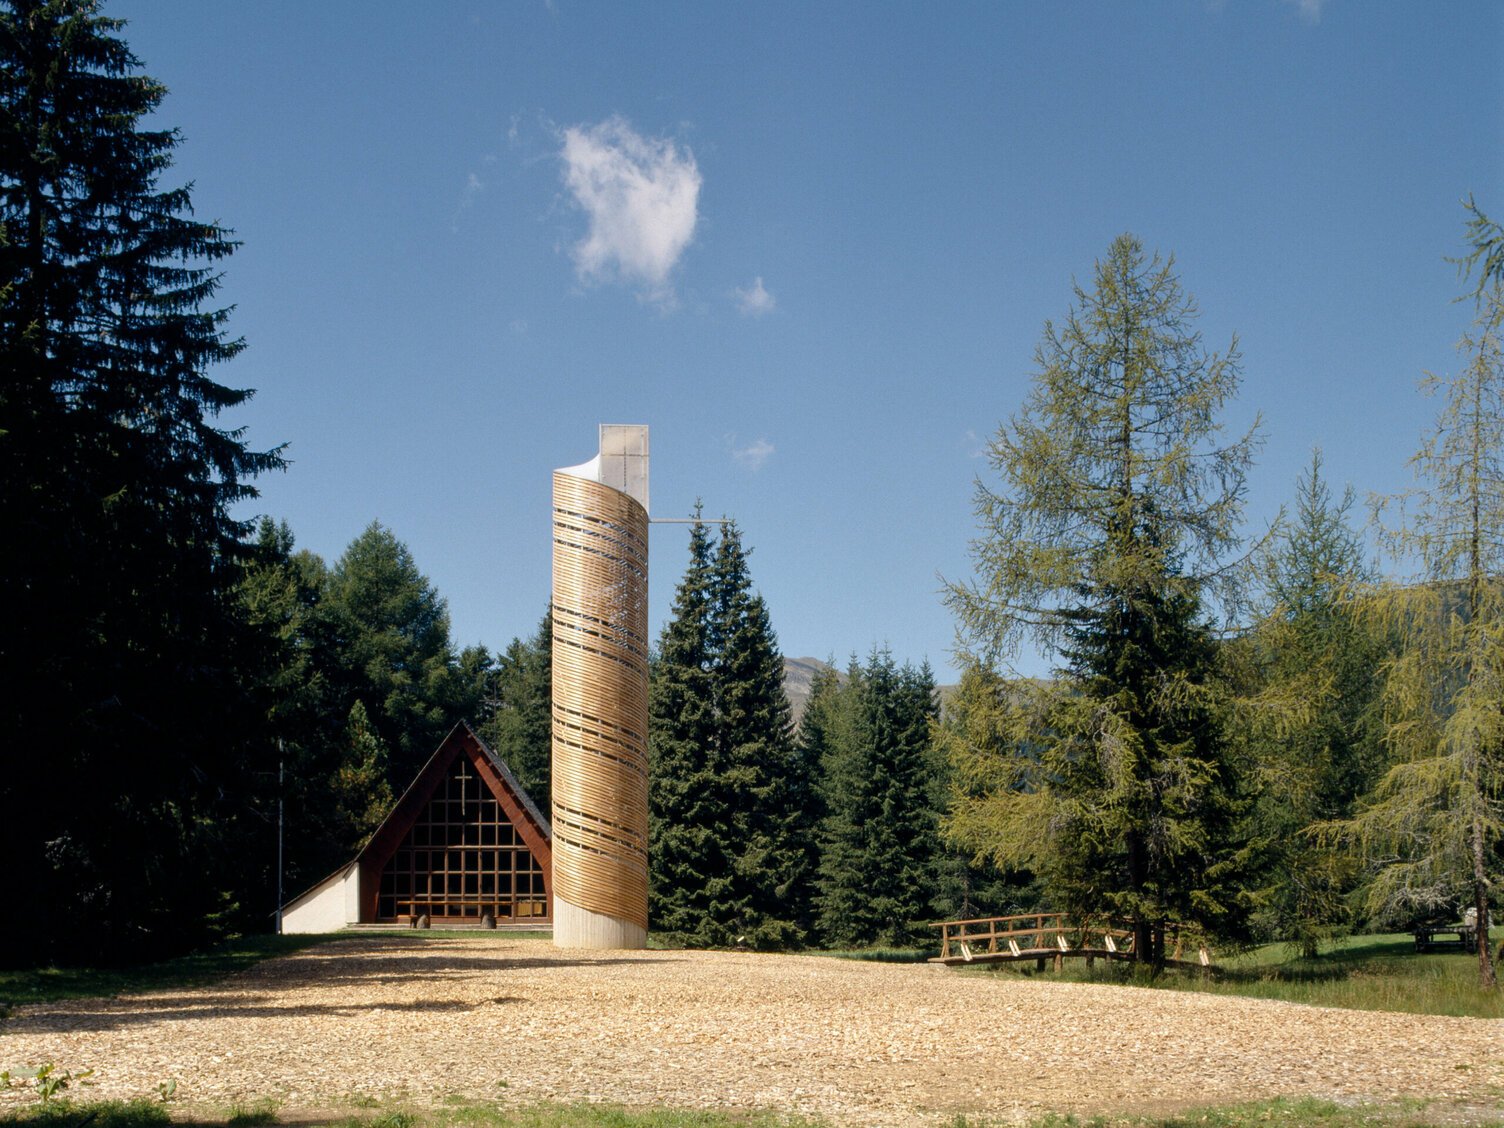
column 812, row 246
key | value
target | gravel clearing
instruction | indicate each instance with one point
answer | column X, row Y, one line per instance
column 856, row 1043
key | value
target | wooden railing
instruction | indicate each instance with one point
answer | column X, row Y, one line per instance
column 1041, row 936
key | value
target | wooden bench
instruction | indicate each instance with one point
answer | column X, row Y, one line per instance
column 1461, row 936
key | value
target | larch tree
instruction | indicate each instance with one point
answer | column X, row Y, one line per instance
column 280, row 593
column 120, row 644
column 982, row 723
column 1120, row 505
column 297, row 679
column 351, row 663
column 1487, row 255
column 359, row 795
column 1432, row 825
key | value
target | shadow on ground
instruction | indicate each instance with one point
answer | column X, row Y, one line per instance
column 354, row 963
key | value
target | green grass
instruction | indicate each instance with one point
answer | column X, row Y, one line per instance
column 257, row 1116
column 1261, row 1114
column 154, row 1114
column 881, row 955
column 97, row 1114
column 1308, row 1113
column 1361, row 973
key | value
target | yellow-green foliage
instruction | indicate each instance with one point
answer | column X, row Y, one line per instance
column 1106, row 542
column 998, row 807
column 1116, row 474
column 1432, row 823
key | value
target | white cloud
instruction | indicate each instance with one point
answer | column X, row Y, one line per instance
column 1310, row 10
column 753, row 455
column 754, row 300
column 641, row 195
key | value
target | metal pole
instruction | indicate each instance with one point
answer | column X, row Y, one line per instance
column 281, row 768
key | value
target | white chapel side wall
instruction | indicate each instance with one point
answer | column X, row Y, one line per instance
column 328, row 907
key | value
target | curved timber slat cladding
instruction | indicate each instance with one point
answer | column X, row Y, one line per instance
column 600, row 706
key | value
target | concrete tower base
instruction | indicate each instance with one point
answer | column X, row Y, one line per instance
column 575, row 927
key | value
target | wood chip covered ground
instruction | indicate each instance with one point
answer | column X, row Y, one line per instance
column 856, row 1043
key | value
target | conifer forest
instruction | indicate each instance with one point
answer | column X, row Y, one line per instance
column 1253, row 732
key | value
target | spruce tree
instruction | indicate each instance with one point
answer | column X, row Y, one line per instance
column 755, row 730
column 727, row 790
column 819, row 727
column 688, row 818
column 879, row 846
column 120, row 647
column 392, row 637
column 520, row 727
column 822, row 736
column 1147, row 823
column 1310, row 646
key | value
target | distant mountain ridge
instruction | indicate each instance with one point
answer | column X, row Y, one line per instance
column 799, row 673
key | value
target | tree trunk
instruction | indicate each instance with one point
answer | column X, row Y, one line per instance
column 1480, row 908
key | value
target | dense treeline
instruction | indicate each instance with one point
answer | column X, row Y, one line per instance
column 362, row 681
column 728, row 790
column 171, row 672
column 133, row 737
column 1258, row 741
column 767, row 836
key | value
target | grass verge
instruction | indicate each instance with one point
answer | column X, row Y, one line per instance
column 1276, row 1114
column 1361, row 973
column 154, row 1114
column 880, row 955
column 1261, row 1114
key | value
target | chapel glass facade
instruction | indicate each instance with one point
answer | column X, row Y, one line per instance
column 462, row 858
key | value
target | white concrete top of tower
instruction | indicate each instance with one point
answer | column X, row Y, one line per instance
column 622, row 462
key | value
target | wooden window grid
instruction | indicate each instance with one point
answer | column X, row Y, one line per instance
column 462, row 858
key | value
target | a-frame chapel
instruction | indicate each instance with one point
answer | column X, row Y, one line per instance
column 465, row 840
